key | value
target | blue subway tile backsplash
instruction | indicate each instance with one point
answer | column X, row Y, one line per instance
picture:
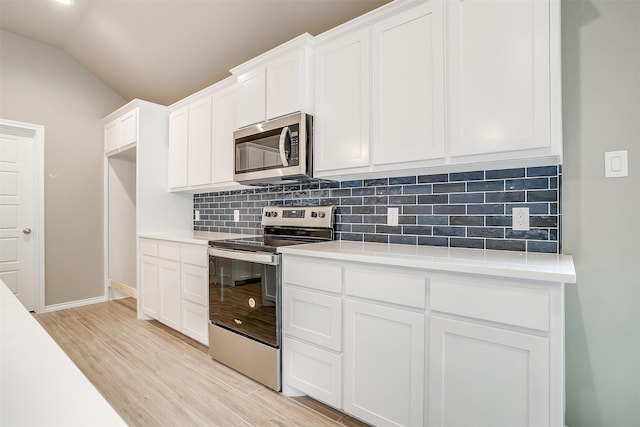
column 465, row 209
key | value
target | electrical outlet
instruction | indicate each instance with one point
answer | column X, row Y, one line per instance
column 197, row 215
column 520, row 219
column 392, row 216
column 236, row 215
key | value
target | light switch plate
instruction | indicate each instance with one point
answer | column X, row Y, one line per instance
column 616, row 164
column 236, row 215
column 197, row 215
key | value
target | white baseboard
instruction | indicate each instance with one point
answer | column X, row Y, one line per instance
column 72, row 304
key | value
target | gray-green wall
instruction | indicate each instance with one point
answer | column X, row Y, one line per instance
column 601, row 217
column 43, row 85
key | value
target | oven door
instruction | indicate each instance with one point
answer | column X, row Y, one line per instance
column 244, row 293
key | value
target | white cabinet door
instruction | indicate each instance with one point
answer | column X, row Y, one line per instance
column 312, row 370
column 486, row 376
column 195, row 318
column 170, row 301
column 283, row 86
column 384, row 364
column 195, row 283
column 199, row 142
column 224, row 123
column 122, row 132
column 129, row 128
column 251, row 97
column 408, row 86
column 178, row 148
column 149, row 292
column 111, row 136
column 498, row 75
column 313, row 317
column 342, row 103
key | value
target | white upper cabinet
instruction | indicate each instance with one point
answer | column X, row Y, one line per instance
column 252, row 97
column 224, row 117
column 380, row 92
column 439, row 84
column 276, row 83
column 190, row 145
column 201, row 140
column 121, row 133
column 342, row 103
column 200, row 123
column 499, row 75
column 408, row 86
column 178, row 148
column 285, row 76
column 111, row 136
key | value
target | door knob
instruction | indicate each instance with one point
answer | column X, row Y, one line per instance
column 26, row 231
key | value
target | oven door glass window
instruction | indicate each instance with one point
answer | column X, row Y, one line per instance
column 244, row 298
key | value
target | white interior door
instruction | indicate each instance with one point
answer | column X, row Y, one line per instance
column 18, row 220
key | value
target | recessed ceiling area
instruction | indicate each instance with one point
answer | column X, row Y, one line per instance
column 165, row 50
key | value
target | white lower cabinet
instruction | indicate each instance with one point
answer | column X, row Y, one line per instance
column 195, row 301
column 312, row 370
column 195, row 318
column 149, row 292
column 169, row 288
column 174, row 280
column 423, row 347
column 312, row 331
column 383, row 364
column 487, row 376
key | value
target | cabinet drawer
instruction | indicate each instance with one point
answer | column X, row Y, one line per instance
column 169, row 251
column 195, row 320
column 196, row 255
column 493, row 300
column 148, row 247
column 313, row 317
column 387, row 285
column 195, row 284
column 313, row 371
column 313, row 274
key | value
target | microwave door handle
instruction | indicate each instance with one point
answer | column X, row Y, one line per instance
column 283, row 137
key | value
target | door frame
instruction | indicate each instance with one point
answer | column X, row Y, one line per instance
column 37, row 133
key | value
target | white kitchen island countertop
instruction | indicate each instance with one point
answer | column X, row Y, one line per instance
column 193, row 237
column 39, row 384
column 510, row 264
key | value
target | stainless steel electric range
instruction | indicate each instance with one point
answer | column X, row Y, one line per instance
column 245, row 286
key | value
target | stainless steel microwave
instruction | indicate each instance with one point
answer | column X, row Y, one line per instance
column 275, row 151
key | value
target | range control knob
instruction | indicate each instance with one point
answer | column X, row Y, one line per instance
column 274, row 214
column 321, row 214
column 314, row 214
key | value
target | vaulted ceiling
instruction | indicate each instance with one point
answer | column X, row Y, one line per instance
column 164, row 50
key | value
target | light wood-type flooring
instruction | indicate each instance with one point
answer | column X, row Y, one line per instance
column 154, row 376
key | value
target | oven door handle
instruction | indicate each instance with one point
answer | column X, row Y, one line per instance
column 258, row 258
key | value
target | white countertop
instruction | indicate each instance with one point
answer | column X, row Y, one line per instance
column 39, row 384
column 194, row 237
column 511, row 264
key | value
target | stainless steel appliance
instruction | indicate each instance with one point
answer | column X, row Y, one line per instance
column 244, row 289
column 276, row 151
